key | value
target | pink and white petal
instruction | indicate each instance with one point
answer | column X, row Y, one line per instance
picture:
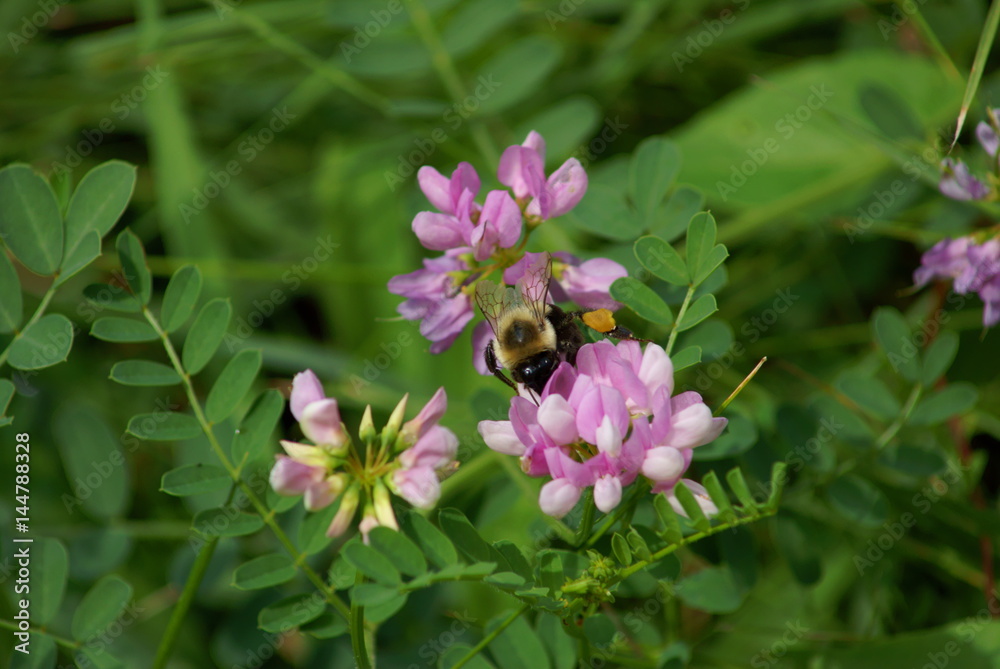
column 291, row 477
column 558, row 497
column 306, row 389
column 558, row 419
column 437, row 189
column 321, row 423
column 499, row 436
column 607, row 493
column 438, row 232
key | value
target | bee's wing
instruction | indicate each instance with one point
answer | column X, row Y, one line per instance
column 533, row 287
column 493, row 301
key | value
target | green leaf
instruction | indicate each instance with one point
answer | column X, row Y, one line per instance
column 290, row 612
column 651, row 172
column 691, row 507
column 505, row 580
column 144, row 373
column 914, row 460
column 871, row 395
column 404, row 555
column 504, row 80
column 698, row 311
column 672, row 532
column 232, row 385
column 50, row 566
column 889, row 112
column 371, row 563
column 641, row 299
column 6, row 395
column 561, row 648
column 473, row 23
column 43, row 653
column 195, row 479
column 373, row 594
column 939, row 356
column 464, row 535
column 11, row 305
column 713, row 590
column 164, row 426
column 206, row 334
column 30, row 223
column 517, row 647
column 738, row 484
column 639, row 545
column 86, row 252
column 264, row 571
column 515, row 558
column 180, row 297
column 686, row 357
column 951, row 400
column 94, row 461
column 700, row 242
column 893, row 335
column 133, row 260
column 661, row 260
column 550, row 571
column 453, row 654
column 90, row 658
column 102, row 604
column 672, row 218
column 226, row 521
column 434, row 544
column 603, row 212
column 342, row 574
column 44, row 343
column 122, row 330
column 718, row 495
column 97, row 203
column 385, row 610
column 312, row 530
column 329, row 625
column 106, row 296
column 858, row 501
column 253, row 438
column 795, row 543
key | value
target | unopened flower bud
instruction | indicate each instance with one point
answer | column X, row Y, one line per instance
column 391, row 429
column 383, row 507
column 367, row 428
column 345, row 514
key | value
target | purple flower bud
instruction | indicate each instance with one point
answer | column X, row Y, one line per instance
column 946, row 259
column 607, row 493
column 445, row 193
column 435, row 449
column 563, row 190
column 558, row 497
column 959, row 184
column 663, row 463
column 419, row 486
column 499, row 436
column 557, row 418
column 987, row 135
column 291, row 477
column 522, row 169
column 499, row 225
column 691, row 422
column 306, row 389
column 429, row 415
column 444, row 321
column 440, row 232
column 589, row 283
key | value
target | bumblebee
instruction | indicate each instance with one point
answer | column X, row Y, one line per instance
column 530, row 336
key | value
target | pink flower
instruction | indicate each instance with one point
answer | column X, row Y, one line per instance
column 435, row 298
column 499, row 225
column 444, row 193
column 974, row 268
column 417, row 485
column 604, row 423
column 454, row 198
column 522, row 168
column 428, row 417
column 588, row 283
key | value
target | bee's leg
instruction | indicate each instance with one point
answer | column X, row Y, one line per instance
column 603, row 321
column 491, row 364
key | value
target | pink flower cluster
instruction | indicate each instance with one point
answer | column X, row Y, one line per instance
column 404, row 461
column 974, row 267
column 603, row 424
column 479, row 238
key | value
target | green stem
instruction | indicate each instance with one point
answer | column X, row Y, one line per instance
column 39, row 310
column 338, row 78
column 924, row 28
column 680, row 317
column 587, row 522
column 62, row 641
column 266, row 514
column 448, row 74
column 690, row 539
column 891, row 431
column 357, row 621
column 475, row 650
column 978, row 64
column 191, row 586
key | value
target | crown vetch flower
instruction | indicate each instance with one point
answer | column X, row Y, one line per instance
column 975, row 268
column 603, row 424
column 958, row 183
column 522, row 168
column 404, row 459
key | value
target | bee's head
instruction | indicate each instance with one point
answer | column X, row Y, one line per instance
column 536, row 370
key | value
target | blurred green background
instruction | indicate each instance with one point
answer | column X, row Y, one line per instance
column 277, row 145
